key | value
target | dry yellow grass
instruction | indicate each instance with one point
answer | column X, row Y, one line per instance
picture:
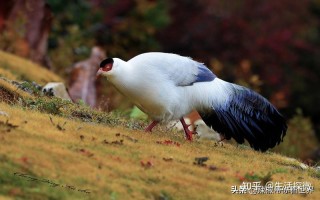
column 17, row 68
column 77, row 156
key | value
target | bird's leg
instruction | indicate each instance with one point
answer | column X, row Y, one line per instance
column 150, row 127
column 186, row 129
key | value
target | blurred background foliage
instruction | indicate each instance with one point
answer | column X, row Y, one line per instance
column 302, row 141
column 123, row 28
column 270, row 46
column 72, row 34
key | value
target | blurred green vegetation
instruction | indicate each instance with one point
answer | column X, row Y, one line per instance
column 300, row 140
column 72, row 34
column 79, row 25
column 136, row 31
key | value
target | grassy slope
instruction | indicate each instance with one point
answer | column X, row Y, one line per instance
column 37, row 147
column 16, row 68
column 68, row 151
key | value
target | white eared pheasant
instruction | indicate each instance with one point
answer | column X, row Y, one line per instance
column 168, row 86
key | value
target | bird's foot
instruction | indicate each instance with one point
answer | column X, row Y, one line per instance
column 150, row 127
column 186, row 130
column 222, row 137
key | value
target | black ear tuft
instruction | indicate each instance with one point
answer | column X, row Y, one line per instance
column 106, row 61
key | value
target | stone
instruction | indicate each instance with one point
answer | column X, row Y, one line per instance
column 205, row 132
column 56, row 89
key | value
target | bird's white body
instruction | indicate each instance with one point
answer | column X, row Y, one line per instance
column 158, row 95
column 168, row 87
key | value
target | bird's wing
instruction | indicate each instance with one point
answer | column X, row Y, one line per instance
column 183, row 71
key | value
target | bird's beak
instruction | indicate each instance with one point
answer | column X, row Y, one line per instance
column 99, row 72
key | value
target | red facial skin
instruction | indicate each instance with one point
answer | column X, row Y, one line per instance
column 107, row 67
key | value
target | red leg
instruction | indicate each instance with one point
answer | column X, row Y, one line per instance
column 150, row 127
column 186, row 129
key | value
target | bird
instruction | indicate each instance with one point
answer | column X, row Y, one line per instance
column 168, row 86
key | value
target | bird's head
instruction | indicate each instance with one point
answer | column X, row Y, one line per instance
column 105, row 67
column 110, row 67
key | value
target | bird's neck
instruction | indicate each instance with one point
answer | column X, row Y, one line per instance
column 124, row 79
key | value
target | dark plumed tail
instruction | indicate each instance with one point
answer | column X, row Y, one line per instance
column 246, row 115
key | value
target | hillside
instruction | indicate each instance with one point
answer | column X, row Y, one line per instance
column 53, row 149
column 16, row 68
